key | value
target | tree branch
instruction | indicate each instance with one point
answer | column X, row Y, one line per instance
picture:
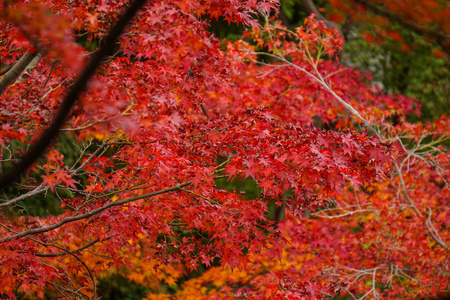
column 92, row 212
column 73, row 251
column 13, row 73
column 39, row 189
column 94, row 285
column 44, row 141
column 312, row 9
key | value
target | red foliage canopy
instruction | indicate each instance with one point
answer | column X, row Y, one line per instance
column 169, row 112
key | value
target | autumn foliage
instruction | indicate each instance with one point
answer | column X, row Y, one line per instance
column 430, row 19
column 353, row 199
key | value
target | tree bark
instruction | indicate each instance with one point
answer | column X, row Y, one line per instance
column 312, row 9
column 14, row 73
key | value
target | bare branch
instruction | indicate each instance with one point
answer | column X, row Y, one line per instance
column 433, row 232
column 322, row 213
column 85, row 266
column 14, row 73
column 36, row 191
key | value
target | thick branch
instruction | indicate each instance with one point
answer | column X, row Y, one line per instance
column 92, row 212
column 44, row 141
column 312, row 9
column 16, row 70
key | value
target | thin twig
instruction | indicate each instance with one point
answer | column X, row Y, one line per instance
column 64, row 253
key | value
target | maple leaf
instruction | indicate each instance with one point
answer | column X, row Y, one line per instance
column 50, row 180
column 64, row 177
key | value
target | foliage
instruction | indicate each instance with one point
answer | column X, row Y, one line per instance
column 404, row 44
column 169, row 115
column 362, row 243
column 428, row 19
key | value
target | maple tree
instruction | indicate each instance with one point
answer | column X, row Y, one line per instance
column 169, row 113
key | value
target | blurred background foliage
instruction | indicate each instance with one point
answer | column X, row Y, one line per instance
column 409, row 69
